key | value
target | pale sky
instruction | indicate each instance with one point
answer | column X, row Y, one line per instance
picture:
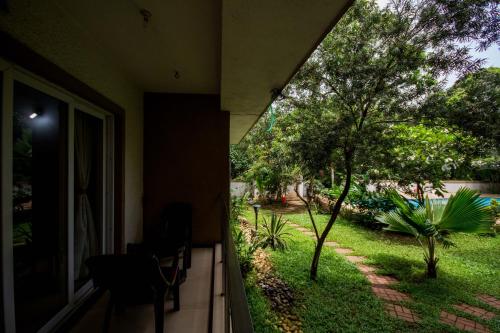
column 490, row 55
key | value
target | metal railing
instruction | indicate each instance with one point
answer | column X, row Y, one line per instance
column 238, row 317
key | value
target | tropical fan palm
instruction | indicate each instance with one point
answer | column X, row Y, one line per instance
column 435, row 220
column 274, row 235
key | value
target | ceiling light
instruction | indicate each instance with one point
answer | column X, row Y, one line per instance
column 33, row 115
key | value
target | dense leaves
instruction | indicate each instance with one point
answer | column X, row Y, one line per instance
column 472, row 104
column 435, row 220
column 374, row 70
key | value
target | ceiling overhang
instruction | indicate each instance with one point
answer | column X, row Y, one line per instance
column 263, row 45
column 239, row 49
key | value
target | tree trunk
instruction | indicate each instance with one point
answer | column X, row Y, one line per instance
column 420, row 194
column 431, row 270
column 332, row 175
column 308, row 207
column 432, row 260
column 335, row 212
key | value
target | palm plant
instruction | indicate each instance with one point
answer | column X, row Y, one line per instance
column 433, row 221
column 273, row 234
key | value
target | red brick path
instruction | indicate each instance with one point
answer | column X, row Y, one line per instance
column 389, row 294
column 381, row 289
column 343, row 251
column 462, row 323
column 381, row 280
column 355, row 259
column 472, row 310
column 490, row 300
column 401, row 312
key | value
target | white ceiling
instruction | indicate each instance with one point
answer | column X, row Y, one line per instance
column 263, row 45
column 241, row 49
column 182, row 36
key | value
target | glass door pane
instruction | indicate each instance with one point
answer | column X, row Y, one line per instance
column 39, row 206
column 88, row 192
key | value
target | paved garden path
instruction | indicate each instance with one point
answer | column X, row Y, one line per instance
column 381, row 287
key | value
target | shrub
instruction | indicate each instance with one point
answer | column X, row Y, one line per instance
column 273, row 234
column 244, row 251
column 238, row 205
column 366, row 207
column 434, row 221
column 495, row 208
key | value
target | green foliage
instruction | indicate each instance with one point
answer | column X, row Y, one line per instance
column 372, row 70
column 240, row 160
column 486, row 169
column 423, row 155
column 364, row 205
column 369, row 206
column 273, row 234
column 271, row 169
column 472, row 104
column 468, row 269
column 238, row 205
column 495, row 209
column 434, row 221
column 244, row 251
column 23, row 233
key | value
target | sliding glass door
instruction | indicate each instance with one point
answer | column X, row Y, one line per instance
column 56, row 166
column 39, row 192
column 88, row 221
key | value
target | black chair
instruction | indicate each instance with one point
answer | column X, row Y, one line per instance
column 135, row 279
column 176, row 232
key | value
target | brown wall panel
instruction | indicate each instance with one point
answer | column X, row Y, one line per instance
column 186, row 159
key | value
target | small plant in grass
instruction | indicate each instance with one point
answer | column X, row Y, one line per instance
column 238, row 205
column 432, row 222
column 273, row 234
column 244, row 251
column 495, row 209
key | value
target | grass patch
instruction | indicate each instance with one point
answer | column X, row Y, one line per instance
column 340, row 301
column 472, row 267
column 263, row 318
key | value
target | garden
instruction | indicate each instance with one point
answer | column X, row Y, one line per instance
column 350, row 219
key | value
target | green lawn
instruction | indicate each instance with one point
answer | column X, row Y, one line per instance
column 341, row 299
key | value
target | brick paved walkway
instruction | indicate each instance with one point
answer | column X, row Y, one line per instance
column 401, row 312
column 389, row 294
column 462, row 323
column 475, row 311
column 380, row 280
column 355, row 259
column 379, row 283
column 490, row 300
column 343, row 251
column 381, row 288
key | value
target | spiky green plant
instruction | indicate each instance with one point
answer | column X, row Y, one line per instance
column 273, row 234
column 245, row 252
column 432, row 222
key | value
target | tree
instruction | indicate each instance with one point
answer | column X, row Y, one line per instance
column 240, row 160
column 377, row 66
column 271, row 168
column 421, row 155
column 434, row 221
column 472, row 104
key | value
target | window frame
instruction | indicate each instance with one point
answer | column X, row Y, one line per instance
column 11, row 73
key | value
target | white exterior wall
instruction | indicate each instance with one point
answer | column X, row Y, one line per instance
column 61, row 40
column 483, row 187
column 452, row 186
column 238, row 189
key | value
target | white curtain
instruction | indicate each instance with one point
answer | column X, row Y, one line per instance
column 85, row 233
